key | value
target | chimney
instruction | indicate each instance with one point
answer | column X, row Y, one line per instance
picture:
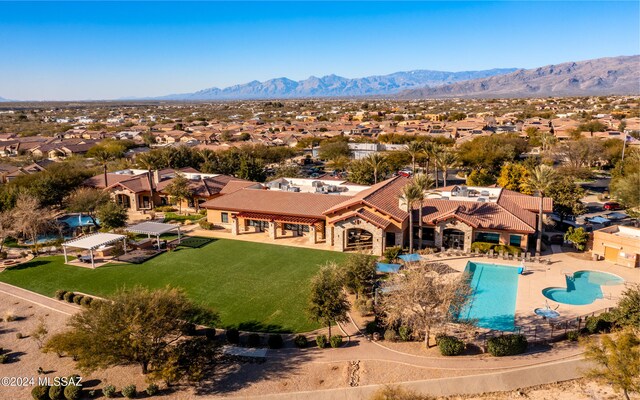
column 106, row 183
column 156, row 176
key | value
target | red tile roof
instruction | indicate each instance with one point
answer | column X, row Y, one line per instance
column 382, row 196
column 275, row 202
column 367, row 216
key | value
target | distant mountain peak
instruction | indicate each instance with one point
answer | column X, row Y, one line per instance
column 601, row 76
column 333, row 85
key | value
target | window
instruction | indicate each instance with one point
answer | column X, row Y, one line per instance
column 224, row 217
column 515, row 240
column 488, row 237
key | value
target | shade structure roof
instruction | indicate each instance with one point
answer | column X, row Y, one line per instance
column 152, row 228
column 278, row 218
column 91, row 242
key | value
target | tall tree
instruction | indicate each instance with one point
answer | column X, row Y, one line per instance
column 424, row 300
column 179, row 190
column 112, row 216
column 513, row 176
column 360, row 272
column 424, row 183
column 328, row 301
column 414, row 149
column 446, row 160
column 617, row 359
column 566, row 195
column 6, row 227
column 133, row 327
column 377, row 162
column 541, row 180
column 30, row 218
column 409, row 195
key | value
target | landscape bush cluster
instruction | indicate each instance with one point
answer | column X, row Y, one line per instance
column 71, row 297
column 485, row 247
column 450, row 345
column 507, row 345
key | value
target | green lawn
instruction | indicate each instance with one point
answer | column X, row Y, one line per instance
column 252, row 285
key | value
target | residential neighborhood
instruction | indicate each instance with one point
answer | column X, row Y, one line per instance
column 337, row 200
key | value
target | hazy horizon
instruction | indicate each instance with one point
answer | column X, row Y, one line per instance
column 97, row 51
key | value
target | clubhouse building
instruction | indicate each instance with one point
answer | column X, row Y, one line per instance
column 347, row 216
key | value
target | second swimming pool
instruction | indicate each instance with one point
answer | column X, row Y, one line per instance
column 494, row 289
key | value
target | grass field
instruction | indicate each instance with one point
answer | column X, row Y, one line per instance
column 253, row 286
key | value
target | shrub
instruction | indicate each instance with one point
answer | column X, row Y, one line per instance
column 129, row 391
column 392, row 253
column 60, row 294
column 404, row 333
column 19, row 335
column 4, row 358
column 109, row 391
column 573, row 336
column 506, row 249
column 482, row 247
column 68, row 297
column 253, row 340
column 364, row 306
column 152, row 389
column 597, row 324
column 450, row 345
column 189, row 329
column 78, row 299
column 390, row 335
column 40, row 392
column 166, row 209
column 300, row 341
column 9, row 316
column 204, row 224
column 507, row 345
column 371, row 327
column 321, row 341
column 86, row 301
column 73, row 392
column 335, row 341
column 56, row 392
column 274, row 341
column 233, row 336
column 3, row 255
column 210, row 333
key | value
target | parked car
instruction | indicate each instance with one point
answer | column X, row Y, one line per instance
column 612, row 205
column 406, row 173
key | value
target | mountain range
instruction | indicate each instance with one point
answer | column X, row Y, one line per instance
column 602, row 76
column 336, row 86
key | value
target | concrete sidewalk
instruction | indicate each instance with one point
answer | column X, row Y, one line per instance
column 43, row 301
column 484, row 383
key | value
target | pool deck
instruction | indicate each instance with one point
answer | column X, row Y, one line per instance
column 529, row 295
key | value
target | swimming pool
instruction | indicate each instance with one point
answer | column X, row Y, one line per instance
column 583, row 287
column 494, row 289
column 76, row 220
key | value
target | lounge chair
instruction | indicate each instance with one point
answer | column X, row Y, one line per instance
column 491, row 253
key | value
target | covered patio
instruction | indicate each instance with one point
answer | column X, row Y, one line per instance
column 279, row 226
column 92, row 243
column 154, row 229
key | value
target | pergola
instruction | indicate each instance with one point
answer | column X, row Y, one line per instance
column 92, row 242
column 154, row 229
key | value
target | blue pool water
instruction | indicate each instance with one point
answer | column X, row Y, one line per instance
column 76, row 220
column 494, row 289
column 584, row 287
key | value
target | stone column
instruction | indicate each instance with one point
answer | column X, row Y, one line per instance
column 438, row 236
column 234, row 225
column 378, row 242
column 272, row 230
column 312, row 234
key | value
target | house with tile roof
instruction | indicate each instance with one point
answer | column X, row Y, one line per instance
column 142, row 190
column 375, row 218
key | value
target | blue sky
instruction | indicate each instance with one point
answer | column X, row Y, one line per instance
column 106, row 50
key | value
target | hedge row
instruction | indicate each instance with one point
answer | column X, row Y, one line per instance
column 71, row 297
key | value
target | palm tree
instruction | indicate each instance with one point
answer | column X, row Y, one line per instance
column 409, row 195
column 541, row 179
column 414, row 149
column 446, row 160
column 436, row 150
column 424, row 183
column 375, row 161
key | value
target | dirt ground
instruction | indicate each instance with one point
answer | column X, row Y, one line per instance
column 296, row 373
